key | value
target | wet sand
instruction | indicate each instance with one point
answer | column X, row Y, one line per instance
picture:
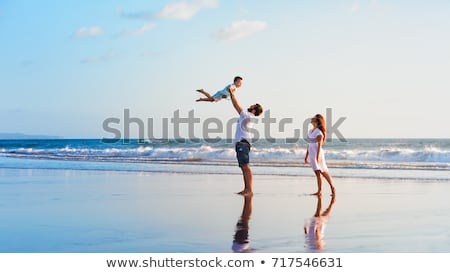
column 67, row 211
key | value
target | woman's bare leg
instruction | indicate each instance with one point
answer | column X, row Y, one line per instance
column 319, row 183
column 330, row 182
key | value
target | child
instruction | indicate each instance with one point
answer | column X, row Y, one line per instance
column 222, row 94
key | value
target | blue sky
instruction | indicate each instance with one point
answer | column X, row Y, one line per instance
column 66, row 66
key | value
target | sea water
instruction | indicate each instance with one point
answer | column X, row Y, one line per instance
column 50, row 208
column 425, row 159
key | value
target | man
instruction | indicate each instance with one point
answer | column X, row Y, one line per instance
column 243, row 139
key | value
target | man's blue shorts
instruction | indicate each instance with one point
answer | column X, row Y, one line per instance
column 242, row 152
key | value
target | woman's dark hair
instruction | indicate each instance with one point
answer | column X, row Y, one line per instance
column 321, row 125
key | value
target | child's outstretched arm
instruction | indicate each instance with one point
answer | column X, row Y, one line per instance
column 235, row 102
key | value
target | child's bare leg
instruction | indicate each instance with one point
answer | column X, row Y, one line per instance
column 204, row 93
column 208, row 96
column 205, row 99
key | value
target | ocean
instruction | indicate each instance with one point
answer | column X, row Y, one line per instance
column 421, row 159
column 90, row 196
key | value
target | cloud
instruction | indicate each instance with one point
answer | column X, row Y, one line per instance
column 142, row 15
column 240, row 29
column 100, row 59
column 88, row 32
column 370, row 5
column 185, row 10
column 138, row 31
column 355, row 6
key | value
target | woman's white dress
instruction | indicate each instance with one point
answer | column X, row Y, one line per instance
column 312, row 150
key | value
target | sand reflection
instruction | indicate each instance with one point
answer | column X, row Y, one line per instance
column 241, row 241
column 315, row 226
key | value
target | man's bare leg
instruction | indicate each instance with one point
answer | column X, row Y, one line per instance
column 248, row 180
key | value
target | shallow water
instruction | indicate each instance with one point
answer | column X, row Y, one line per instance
column 100, row 211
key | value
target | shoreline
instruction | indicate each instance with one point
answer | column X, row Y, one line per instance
column 191, row 169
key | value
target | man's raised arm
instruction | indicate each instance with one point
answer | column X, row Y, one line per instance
column 235, row 102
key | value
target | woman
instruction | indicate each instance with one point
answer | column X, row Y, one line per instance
column 315, row 154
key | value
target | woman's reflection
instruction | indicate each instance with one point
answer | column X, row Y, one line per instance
column 315, row 227
column 241, row 242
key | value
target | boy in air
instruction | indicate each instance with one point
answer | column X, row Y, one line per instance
column 222, row 94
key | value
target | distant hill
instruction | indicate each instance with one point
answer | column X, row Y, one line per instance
column 24, row 136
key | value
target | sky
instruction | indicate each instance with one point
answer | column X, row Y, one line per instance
column 67, row 67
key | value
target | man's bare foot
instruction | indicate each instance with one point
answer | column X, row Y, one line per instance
column 200, row 90
column 246, row 193
column 317, row 193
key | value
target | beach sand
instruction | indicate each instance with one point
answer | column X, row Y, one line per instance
column 67, row 211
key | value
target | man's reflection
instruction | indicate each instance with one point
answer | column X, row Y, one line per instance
column 241, row 242
column 315, row 227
